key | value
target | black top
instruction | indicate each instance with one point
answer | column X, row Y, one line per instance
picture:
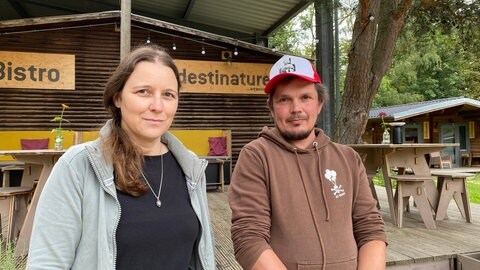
column 149, row 237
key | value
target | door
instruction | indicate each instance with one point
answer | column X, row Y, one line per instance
column 454, row 133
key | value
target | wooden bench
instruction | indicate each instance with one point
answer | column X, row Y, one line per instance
column 13, row 204
column 453, row 184
column 409, row 185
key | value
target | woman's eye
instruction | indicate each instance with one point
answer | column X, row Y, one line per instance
column 170, row 94
column 143, row 91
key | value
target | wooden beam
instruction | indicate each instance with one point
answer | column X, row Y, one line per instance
column 19, row 8
column 191, row 3
column 125, row 29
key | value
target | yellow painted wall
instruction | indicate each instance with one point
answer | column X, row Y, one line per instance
column 10, row 140
column 195, row 140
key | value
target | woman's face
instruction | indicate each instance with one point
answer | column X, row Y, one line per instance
column 148, row 103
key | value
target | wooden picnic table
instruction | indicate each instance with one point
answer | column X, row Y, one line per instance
column 401, row 156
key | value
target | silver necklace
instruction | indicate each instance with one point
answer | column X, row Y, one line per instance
column 158, row 202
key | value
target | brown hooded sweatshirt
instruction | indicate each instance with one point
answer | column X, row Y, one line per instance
column 313, row 207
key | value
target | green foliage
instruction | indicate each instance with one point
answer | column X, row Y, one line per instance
column 7, row 260
column 297, row 35
column 435, row 57
column 60, row 119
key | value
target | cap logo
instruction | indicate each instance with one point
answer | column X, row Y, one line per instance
column 288, row 66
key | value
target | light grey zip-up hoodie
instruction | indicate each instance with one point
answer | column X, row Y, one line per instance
column 78, row 212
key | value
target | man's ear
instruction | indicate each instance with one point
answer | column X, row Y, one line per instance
column 320, row 107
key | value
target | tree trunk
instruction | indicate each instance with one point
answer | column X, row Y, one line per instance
column 377, row 26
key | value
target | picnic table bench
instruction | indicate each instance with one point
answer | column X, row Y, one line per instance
column 453, row 184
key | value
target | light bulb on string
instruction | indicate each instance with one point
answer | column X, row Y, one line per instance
column 235, row 51
column 203, row 49
column 148, row 39
column 174, row 46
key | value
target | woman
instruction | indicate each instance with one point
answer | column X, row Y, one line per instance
column 135, row 198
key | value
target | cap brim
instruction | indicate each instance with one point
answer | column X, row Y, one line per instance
column 273, row 82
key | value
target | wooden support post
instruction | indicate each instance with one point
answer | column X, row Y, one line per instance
column 125, row 29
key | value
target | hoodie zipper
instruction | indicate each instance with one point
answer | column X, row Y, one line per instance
column 197, row 212
column 117, row 221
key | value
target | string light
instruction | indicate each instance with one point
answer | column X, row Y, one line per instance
column 235, row 51
column 203, row 49
column 174, row 46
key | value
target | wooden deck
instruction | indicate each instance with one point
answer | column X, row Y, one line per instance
column 412, row 244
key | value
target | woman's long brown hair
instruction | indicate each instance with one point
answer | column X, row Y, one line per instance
column 126, row 157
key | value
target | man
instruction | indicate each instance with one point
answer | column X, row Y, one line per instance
column 299, row 200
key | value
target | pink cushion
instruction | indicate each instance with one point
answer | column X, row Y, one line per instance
column 31, row 144
column 218, row 146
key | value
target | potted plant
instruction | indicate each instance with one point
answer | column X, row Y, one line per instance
column 58, row 130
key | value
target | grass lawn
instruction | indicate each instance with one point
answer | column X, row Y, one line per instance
column 474, row 189
column 473, row 184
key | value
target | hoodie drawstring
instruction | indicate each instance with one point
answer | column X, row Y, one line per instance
column 325, row 203
column 322, row 246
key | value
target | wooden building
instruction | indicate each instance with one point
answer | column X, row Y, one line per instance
column 450, row 120
column 230, row 96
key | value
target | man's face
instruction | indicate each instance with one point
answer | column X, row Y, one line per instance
column 295, row 109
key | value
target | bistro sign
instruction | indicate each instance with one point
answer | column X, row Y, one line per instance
column 37, row 70
column 222, row 77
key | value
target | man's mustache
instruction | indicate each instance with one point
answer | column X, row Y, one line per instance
column 297, row 116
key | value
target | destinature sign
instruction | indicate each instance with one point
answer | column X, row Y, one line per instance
column 222, row 77
column 37, row 70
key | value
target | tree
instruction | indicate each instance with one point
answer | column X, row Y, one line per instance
column 376, row 29
column 373, row 42
column 297, row 35
column 433, row 55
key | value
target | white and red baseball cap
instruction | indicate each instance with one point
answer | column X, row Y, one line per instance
column 290, row 65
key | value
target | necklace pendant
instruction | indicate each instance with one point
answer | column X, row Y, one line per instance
column 158, row 203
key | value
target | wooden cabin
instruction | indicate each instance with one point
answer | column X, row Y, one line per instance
column 84, row 49
column 450, row 120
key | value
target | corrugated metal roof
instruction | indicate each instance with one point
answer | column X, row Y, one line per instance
column 237, row 19
column 12, row 26
column 404, row 111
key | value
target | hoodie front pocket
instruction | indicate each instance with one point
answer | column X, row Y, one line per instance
column 317, row 265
